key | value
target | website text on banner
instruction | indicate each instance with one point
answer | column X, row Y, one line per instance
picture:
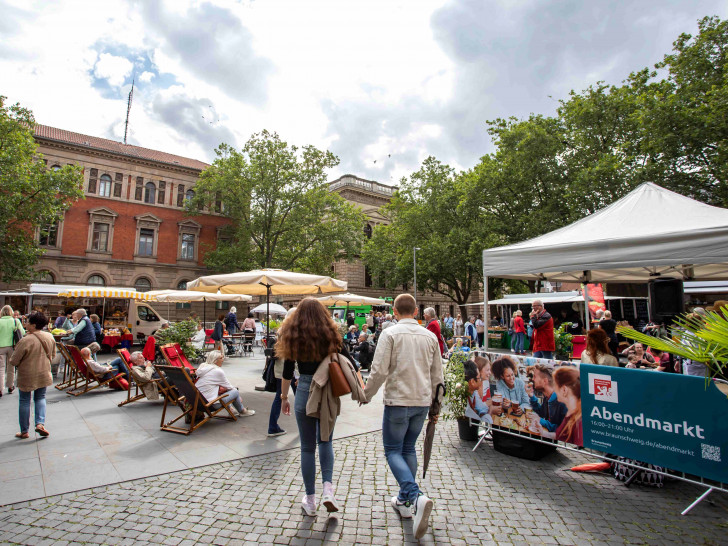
column 669, row 420
column 531, row 396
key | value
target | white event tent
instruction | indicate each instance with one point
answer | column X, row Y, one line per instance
column 650, row 233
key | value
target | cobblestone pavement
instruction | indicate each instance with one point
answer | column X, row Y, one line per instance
column 482, row 497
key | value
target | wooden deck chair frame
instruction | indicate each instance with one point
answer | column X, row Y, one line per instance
column 70, row 370
column 138, row 394
column 88, row 376
column 191, row 402
column 179, row 354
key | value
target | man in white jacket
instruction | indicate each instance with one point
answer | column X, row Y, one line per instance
column 408, row 362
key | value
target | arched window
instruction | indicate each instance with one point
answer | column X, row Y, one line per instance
column 182, row 285
column 56, row 168
column 368, row 231
column 45, row 277
column 150, row 191
column 96, row 280
column 105, row 185
column 143, row 284
column 189, row 194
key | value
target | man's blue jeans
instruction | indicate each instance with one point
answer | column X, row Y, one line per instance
column 543, row 354
column 401, row 427
column 310, row 435
column 119, row 367
column 39, row 397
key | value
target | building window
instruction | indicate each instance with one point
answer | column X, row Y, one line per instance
column 188, row 247
column 189, row 194
column 143, row 284
column 105, row 185
column 100, row 238
column 92, row 176
column 48, row 235
column 150, row 191
column 368, row 231
column 367, row 277
column 146, row 242
column 180, row 195
column 118, row 181
column 45, row 276
column 139, row 191
column 182, row 285
column 221, row 305
column 96, row 280
column 161, row 192
column 56, row 168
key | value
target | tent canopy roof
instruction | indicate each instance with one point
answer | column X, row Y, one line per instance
column 649, row 233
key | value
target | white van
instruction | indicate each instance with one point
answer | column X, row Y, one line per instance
column 114, row 311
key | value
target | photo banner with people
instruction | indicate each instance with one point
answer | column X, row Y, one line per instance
column 670, row 420
column 674, row 421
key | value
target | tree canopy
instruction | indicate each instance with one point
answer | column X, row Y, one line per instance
column 281, row 210
column 33, row 196
column 667, row 125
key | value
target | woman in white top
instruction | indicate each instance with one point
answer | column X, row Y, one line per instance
column 597, row 349
column 458, row 326
column 198, row 340
column 211, row 377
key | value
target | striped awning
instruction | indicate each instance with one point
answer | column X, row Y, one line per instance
column 107, row 292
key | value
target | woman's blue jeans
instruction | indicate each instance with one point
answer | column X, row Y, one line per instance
column 39, row 397
column 233, row 395
column 520, row 338
column 401, row 427
column 310, row 435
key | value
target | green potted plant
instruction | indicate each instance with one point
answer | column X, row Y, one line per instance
column 562, row 339
column 180, row 332
column 456, row 396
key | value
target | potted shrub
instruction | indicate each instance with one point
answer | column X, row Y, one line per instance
column 456, row 396
column 180, row 332
column 562, row 339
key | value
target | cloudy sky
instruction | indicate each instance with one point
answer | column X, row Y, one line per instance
column 382, row 84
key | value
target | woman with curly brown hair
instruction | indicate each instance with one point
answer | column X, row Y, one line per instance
column 305, row 338
column 597, row 349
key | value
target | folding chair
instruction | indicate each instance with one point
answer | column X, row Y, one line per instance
column 69, row 368
column 248, row 340
column 138, row 395
column 86, row 374
column 174, row 356
column 191, row 402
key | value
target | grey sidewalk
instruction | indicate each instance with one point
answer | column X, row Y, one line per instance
column 93, row 442
column 480, row 498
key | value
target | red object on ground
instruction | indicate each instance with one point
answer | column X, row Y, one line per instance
column 592, row 467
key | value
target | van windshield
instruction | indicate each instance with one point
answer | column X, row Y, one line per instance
column 145, row 313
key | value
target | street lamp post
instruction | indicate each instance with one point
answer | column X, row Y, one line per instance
column 414, row 260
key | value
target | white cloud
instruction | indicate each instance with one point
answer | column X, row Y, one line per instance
column 146, row 76
column 113, row 69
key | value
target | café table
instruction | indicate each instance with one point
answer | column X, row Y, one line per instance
column 124, row 339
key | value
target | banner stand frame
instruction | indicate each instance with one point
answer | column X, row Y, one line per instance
column 711, row 486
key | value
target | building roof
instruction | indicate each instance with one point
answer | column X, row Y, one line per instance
column 354, row 182
column 60, row 135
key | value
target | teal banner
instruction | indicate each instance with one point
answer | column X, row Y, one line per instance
column 669, row 420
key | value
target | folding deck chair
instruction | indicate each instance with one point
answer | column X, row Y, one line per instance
column 69, row 368
column 190, row 401
column 138, row 394
column 86, row 375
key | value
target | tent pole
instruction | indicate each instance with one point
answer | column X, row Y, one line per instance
column 485, row 307
column 267, row 316
column 204, row 313
column 587, row 314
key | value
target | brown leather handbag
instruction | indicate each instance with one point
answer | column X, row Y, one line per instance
column 339, row 385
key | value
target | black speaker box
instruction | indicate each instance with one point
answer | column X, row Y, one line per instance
column 666, row 300
column 517, row 446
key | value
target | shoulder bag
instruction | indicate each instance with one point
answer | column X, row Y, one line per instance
column 339, row 385
column 17, row 334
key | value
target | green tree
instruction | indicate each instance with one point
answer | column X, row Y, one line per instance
column 32, row 195
column 283, row 214
column 424, row 212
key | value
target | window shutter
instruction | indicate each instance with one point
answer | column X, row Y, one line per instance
column 180, row 195
column 93, row 175
column 118, row 180
column 139, row 192
column 161, row 192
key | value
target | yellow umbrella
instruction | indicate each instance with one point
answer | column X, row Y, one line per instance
column 268, row 281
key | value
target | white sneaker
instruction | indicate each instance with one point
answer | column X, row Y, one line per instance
column 329, row 501
column 247, row 412
column 309, row 508
column 404, row 508
column 421, row 512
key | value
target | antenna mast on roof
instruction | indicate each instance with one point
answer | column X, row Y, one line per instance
column 128, row 109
